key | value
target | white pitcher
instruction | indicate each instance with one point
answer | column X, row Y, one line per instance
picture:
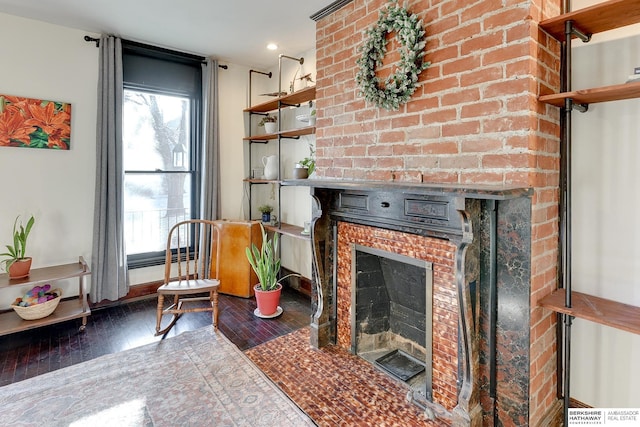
column 270, row 167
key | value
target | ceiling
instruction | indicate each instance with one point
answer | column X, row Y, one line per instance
column 235, row 31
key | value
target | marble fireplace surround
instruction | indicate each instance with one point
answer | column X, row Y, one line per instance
column 491, row 230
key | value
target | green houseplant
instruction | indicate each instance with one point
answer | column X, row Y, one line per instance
column 17, row 263
column 265, row 210
column 308, row 163
column 266, row 264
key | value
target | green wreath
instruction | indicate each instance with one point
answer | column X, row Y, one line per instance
column 399, row 86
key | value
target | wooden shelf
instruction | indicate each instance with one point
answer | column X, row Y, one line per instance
column 286, row 182
column 261, row 181
column 304, row 95
column 606, row 312
column 48, row 274
column 601, row 17
column 66, row 310
column 289, row 133
column 595, row 95
column 289, row 230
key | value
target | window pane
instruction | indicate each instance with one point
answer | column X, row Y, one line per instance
column 153, row 203
column 155, row 131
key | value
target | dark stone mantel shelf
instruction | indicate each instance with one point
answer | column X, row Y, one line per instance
column 482, row 192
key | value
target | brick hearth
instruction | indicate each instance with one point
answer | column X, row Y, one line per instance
column 445, row 306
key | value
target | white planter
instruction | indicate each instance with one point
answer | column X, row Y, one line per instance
column 271, row 127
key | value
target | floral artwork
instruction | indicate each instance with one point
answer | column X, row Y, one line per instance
column 34, row 123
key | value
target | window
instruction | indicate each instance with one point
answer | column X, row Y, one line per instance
column 160, row 147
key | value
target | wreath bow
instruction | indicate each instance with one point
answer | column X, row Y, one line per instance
column 398, row 87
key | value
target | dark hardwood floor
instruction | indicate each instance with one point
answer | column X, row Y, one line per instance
column 132, row 324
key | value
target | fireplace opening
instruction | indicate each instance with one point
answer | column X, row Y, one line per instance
column 391, row 318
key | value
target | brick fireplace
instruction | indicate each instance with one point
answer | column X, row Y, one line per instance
column 477, row 245
column 473, row 131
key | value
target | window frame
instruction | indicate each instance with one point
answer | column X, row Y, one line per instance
column 195, row 141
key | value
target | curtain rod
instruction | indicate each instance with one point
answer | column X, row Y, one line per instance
column 97, row 42
column 92, row 39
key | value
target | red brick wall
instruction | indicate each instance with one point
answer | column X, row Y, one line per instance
column 441, row 253
column 474, row 119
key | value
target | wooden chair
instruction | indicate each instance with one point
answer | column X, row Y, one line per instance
column 193, row 246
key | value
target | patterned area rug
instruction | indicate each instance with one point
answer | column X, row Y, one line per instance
column 198, row 378
column 333, row 386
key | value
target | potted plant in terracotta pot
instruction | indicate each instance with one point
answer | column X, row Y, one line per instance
column 17, row 263
column 266, row 264
column 270, row 123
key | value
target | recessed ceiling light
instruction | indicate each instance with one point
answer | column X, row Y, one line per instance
column 272, row 46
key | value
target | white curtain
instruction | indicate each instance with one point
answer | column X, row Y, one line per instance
column 109, row 261
column 211, row 142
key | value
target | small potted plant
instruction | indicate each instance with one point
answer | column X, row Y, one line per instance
column 306, row 166
column 266, row 264
column 17, row 263
column 270, row 123
column 266, row 210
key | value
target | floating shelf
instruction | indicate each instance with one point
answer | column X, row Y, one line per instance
column 595, row 95
column 601, row 17
column 289, row 133
column 295, row 98
column 289, row 230
column 261, row 181
column 599, row 310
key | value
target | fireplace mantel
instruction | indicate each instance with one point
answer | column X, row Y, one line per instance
column 490, row 226
column 484, row 192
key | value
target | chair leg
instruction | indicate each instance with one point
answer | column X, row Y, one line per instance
column 159, row 312
column 213, row 296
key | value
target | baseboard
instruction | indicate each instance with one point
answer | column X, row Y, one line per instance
column 573, row 403
column 554, row 415
column 147, row 290
column 141, row 291
column 299, row 283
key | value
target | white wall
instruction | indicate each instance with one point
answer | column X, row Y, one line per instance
column 49, row 62
column 606, row 230
column 233, row 83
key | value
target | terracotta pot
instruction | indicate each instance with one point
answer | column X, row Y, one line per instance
column 268, row 301
column 20, row 268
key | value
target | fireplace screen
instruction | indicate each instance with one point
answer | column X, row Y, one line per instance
column 391, row 318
